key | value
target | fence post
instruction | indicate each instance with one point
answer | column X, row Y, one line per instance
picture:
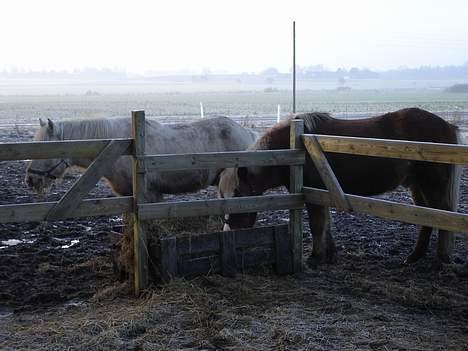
column 296, row 186
column 140, row 242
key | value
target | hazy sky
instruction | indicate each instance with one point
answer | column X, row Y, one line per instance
column 231, row 36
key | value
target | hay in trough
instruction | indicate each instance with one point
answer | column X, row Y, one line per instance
column 123, row 255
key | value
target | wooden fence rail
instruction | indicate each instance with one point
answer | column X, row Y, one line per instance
column 407, row 150
column 452, row 221
column 176, row 162
column 37, row 212
column 197, row 208
column 57, row 149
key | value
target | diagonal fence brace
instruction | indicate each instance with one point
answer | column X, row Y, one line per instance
column 72, row 198
column 328, row 176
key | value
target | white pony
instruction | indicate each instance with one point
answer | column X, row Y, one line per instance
column 207, row 135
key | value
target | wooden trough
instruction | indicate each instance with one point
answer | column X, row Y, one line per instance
column 225, row 252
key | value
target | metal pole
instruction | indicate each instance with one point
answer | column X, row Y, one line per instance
column 294, row 66
column 202, row 113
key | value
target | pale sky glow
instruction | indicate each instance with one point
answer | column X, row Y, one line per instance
column 232, row 36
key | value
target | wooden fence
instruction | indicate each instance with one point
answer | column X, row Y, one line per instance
column 419, row 151
column 73, row 203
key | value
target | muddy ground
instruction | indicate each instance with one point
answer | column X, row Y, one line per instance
column 58, row 290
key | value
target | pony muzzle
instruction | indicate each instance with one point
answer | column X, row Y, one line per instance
column 239, row 221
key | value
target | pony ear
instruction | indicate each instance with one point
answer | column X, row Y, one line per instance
column 50, row 126
column 41, row 122
column 242, row 172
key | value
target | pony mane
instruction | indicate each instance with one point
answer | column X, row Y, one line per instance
column 95, row 128
column 314, row 120
column 79, row 129
column 277, row 137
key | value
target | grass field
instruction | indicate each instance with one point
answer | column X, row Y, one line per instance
column 23, row 108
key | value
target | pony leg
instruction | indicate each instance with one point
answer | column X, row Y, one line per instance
column 446, row 241
column 421, row 246
column 154, row 197
column 422, row 243
column 440, row 189
column 445, row 245
column 324, row 248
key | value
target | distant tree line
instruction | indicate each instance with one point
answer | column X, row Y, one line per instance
column 458, row 88
column 269, row 75
column 423, row 72
column 86, row 73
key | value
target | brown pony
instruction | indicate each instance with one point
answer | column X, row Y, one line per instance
column 432, row 184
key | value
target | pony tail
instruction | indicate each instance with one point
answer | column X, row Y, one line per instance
column 455, row 179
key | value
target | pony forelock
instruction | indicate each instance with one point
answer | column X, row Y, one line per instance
column 228, row 182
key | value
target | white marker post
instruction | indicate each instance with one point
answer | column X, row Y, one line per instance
column 278, row 114
column 202, row 114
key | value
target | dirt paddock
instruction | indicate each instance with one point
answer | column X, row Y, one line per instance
column 58, row 291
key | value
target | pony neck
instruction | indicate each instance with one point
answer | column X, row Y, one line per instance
column 275, row 138
column 93, row 129
column 270, row 177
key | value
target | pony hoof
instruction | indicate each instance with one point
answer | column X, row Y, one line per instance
column 332, row 257
column 413, row 258
column 445, row 259
column 314, row 261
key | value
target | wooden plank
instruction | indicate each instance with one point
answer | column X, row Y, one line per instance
column 452, row 221
column 407, row 150
column 295, row 186
column 255, row 257
column 211, row 264
column 220, row 206
column 70, row 201
column 283, row 251
column 176, row 162
column 57, row 149
column 228, row 254
column 37, row 212
column 140, row 240
column 168, row 268
column 260, row 236
column 200, row 265
column 198, row 243
column 326, row 173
